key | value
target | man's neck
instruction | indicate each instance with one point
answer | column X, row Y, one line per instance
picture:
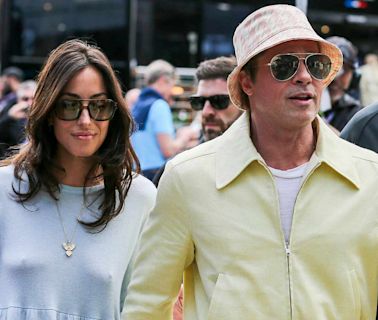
column 283, row 149
column 157, row 88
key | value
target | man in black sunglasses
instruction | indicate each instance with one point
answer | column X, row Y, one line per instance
column 278, row 217
column 218, row 112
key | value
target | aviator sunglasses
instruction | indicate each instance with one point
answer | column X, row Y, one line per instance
column 218, row 101
column 284, row 66
column 98, row 109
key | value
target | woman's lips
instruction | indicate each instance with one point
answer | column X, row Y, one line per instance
column 83, row 135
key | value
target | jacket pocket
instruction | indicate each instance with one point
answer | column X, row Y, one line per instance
column 218, row 296
column 228, row 299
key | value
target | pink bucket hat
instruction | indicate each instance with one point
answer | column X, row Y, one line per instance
column 268, row 27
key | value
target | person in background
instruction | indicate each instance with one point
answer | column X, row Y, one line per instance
column 12, row 125
column 131, row 97
column 218, row 112
column 344, row 106
column 362, row 129
column 155, row 140
column 277, row 217
column 212, row 98
column 12, row 78
column 2, row 87
column 71, row 208
column 369, row 80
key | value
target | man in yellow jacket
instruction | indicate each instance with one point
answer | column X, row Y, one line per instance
column 278, row 217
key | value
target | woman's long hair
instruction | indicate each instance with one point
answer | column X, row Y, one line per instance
column 116, row 156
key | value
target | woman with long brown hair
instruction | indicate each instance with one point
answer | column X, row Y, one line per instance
column 71, row 207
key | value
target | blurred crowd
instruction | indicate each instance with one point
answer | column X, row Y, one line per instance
column 16, row 96
column 157, row 138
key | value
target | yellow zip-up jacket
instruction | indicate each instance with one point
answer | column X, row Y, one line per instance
column 217, row 220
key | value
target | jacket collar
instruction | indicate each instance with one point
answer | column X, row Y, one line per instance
column 332, row 151
column 235, row 151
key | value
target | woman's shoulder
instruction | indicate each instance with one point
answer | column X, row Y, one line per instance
column 142, row 189
column 7, row 169
column 142, row 186
column 7, row 182
column 6, row 175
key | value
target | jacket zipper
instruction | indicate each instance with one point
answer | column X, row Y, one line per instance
column 287, row 243
column 287, row 250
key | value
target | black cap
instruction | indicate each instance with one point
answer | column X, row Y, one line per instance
column 14, row 72
column 349, row 51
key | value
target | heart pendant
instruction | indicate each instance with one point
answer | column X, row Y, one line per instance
column 68, row 246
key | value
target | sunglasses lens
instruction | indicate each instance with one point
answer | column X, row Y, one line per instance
column 101, row 110
column 67, row 109
column 284, row 66
column 197, row 103
column 219, row 102
column 319, row 65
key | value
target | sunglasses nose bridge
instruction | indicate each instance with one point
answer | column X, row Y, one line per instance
column 302, row 69
column 84, row 104
column 84, row 115
column 80, row 110
column 207, row 106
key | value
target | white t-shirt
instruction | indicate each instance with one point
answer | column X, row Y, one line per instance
column 288, row 183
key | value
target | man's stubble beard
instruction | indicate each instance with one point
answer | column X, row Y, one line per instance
column 210, row 134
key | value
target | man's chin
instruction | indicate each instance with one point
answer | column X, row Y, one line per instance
column 211, row 134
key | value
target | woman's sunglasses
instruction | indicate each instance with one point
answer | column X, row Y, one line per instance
column 218, row 101
column 98, row 109
column 284, row 66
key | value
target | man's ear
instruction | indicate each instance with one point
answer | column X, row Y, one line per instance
column 246, row 83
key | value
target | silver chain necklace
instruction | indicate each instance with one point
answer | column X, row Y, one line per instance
column 69, row 245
